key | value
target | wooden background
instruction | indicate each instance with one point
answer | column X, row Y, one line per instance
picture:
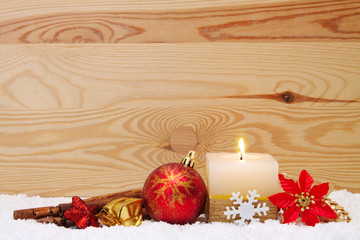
column 94, row 95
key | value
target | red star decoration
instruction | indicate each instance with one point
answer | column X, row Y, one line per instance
column 83, row 215
column 303, row 199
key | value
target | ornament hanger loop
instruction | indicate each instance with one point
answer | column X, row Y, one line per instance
column 191, row 154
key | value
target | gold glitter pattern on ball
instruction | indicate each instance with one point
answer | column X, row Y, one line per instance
column 173, row 180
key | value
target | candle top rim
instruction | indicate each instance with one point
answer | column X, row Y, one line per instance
column 222, row 153
column 249, row 157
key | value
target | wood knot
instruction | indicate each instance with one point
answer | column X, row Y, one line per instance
column 288, row 97
column 183, row 139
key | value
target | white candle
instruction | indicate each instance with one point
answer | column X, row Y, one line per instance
column 256, row 171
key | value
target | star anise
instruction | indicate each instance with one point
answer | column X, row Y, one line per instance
column 83, row 215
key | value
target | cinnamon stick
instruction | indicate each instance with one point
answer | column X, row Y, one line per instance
column 58, row 221
column 50, row 219
column 58, row 211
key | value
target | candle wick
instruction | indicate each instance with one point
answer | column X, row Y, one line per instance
column 241, row 156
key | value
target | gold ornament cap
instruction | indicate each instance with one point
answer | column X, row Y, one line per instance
column 189, row 160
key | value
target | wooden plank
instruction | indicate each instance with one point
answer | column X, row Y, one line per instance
column 69, row 152
column 97, row 76
column 178, row 21
column 94, row 119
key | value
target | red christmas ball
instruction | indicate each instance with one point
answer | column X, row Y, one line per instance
column 174, row 193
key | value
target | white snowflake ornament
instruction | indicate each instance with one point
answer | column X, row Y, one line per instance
column 246, row 210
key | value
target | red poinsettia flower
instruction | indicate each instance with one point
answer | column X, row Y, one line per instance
column 83, row 215
column 303, row 199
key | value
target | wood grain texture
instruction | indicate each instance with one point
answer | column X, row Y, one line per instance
column 62, row 76
column 182, row 140
column 178, row 21
column 94, row 119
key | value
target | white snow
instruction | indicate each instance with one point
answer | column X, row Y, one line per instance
column 149, row 230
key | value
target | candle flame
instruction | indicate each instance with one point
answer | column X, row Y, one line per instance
column 241, row 148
